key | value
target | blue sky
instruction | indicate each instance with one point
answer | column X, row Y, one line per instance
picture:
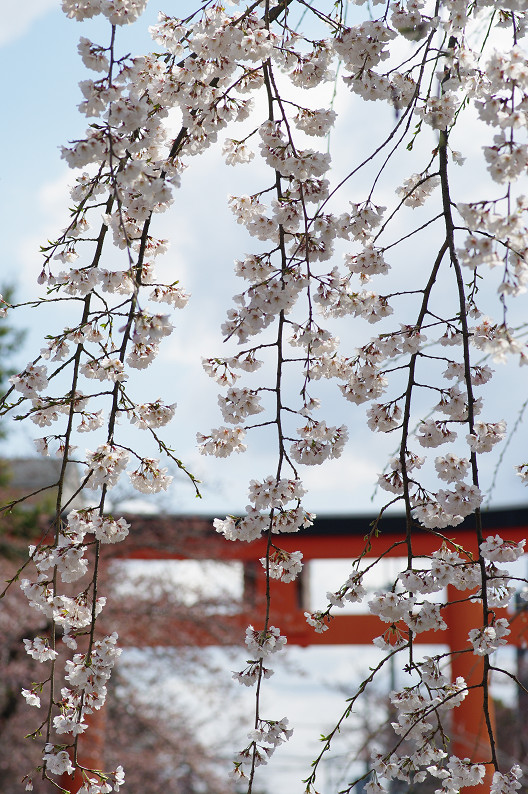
column 39, row 52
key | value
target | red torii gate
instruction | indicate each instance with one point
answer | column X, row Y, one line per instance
column 339, row 537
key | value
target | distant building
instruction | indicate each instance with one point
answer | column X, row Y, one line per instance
column 39, row 476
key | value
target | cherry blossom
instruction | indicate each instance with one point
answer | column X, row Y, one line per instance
column 239, row 77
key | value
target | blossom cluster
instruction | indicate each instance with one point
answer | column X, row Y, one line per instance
column 263, row 742
column 269, row 510
column 86, row 674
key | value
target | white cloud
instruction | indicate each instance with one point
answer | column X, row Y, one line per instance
column 339, row 483
column 50, row 216
column 18, row 17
